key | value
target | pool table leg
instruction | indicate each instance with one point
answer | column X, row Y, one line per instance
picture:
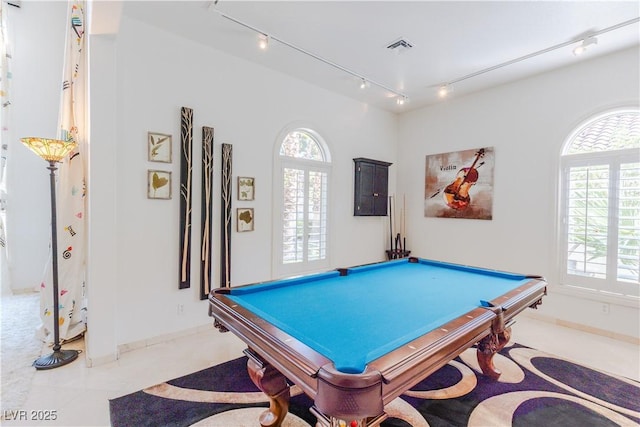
column 274, row 385
column 488, row 347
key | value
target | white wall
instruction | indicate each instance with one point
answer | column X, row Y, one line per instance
column 526, row 122
column 35, row 97
column 156, row 73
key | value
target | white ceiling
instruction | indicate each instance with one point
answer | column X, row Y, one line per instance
column 451, row 39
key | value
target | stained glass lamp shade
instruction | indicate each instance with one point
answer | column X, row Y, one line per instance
column 52, row 150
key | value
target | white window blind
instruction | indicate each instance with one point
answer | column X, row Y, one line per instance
column 293, row 214
column 628, row 223
column 317, row 216
column 587, row 219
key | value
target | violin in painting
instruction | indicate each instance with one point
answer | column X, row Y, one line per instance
column 456, row 194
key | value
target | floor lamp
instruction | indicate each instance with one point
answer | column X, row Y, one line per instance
column 53, row 151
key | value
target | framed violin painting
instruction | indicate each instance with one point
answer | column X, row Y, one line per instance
column 460, row 184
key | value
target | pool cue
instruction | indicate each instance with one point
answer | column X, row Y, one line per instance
column 390, row 225
column 404, row 222
column 394, row 242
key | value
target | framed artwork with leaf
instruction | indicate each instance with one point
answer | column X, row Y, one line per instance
column 246, row 188
column 158, row 184
column 245, row 219
column 159, row 146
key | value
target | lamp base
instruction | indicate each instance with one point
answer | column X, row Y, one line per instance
column 56, row 359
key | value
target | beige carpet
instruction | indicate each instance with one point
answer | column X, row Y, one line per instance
column 20, row 347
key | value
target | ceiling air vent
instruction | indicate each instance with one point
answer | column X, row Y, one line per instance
column 400, row 45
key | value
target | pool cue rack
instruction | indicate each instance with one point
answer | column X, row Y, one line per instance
column 397, row 236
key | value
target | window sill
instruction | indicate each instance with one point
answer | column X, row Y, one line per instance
column 599, row 296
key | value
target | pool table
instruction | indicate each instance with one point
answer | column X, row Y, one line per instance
column 355, row 338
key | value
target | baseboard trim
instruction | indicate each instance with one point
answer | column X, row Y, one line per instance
column 583, row 328
column 24, row 291
column 135, row 345
column 96, row 361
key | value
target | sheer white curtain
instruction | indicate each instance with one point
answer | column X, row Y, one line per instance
column 71, row 190
column 5, row 79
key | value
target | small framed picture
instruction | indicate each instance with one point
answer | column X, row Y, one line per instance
column 158, row 184
column 245, row 219
column 246, row 188
column 159, row 146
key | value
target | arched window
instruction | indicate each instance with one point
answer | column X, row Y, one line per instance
column 301, row 203
column 600, row 205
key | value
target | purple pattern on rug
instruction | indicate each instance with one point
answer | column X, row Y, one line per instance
column 229, row 376
column 591, row 382
column 557, row 412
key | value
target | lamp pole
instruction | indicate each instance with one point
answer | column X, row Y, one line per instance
column 59, row 357
column 54, row 253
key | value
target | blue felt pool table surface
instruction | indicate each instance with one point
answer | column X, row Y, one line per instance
column 357, row 318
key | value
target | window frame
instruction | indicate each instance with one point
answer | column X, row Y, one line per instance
column 610, row 288
column 279, row 268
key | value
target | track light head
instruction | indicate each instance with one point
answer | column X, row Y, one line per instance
column 364, row 83
column 444, row 90
column 580, row 49
column 263, row 41
column 401, row 100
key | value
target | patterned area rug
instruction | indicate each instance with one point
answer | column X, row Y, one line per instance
column 535, row 389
